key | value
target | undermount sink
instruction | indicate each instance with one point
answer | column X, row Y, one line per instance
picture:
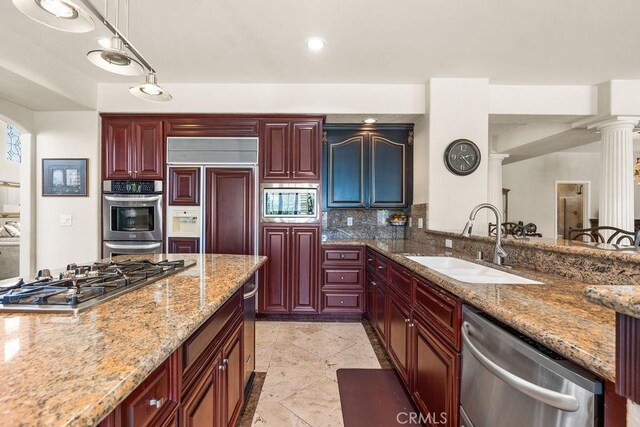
column 469, row 272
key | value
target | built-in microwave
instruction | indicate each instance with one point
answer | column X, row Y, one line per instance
column 289, row 203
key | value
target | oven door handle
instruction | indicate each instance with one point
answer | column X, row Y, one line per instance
column 252, row 292
column 133, row 199
column 150, row 246
column 560, row 401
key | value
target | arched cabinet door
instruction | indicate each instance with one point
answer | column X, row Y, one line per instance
column 346, row 172
column 388, row 172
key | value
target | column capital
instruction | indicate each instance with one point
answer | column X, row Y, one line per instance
column 614, row 121
column 498, row 156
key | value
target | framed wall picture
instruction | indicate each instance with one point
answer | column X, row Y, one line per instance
column 64, row 177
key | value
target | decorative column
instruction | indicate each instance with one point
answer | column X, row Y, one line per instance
column 616, row 172
column 494, row 179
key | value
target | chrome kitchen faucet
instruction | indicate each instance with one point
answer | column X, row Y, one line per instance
column 499, row 252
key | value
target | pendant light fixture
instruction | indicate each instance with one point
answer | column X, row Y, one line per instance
column 119, row 57
column 62, row 15
column 114, row 58
column 150, row 91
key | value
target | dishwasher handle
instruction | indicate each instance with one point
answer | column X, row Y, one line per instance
column 252, row 292
column 560, row 401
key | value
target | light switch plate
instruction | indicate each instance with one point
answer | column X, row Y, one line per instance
column 420, row 223
column 66, row 220
column 448, row 243
column 349, row 221
column 410, row 222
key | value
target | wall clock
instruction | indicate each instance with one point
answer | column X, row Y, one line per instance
column 462, row 157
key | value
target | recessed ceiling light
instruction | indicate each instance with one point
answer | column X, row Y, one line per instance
column 370, row 120
column 315, row 43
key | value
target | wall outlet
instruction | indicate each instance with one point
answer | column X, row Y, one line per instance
column 350, row 222
column 420, row 223
column 448, row 243
column 66, row 220
column 410, row 222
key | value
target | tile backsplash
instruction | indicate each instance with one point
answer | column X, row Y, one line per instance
column 366, row 224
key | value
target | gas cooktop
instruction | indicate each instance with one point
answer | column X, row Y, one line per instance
column 83, row 286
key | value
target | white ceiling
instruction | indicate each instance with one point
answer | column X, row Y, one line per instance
column 368, row 41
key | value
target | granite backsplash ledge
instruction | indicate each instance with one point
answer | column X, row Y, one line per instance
column 367, row 224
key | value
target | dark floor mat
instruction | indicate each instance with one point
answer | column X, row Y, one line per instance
column 373, row 398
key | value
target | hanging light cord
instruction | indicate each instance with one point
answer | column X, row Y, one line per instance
column 116, row 32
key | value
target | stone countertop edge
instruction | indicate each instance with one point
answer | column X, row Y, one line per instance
column 592, row 349
column 119, row 352
column 622, row 299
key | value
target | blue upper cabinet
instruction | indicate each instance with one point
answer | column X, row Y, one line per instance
column 368, row 166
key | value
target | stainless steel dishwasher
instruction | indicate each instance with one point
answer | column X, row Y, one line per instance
column 510, row 380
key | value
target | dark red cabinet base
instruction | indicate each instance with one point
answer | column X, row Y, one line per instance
column 184, row 245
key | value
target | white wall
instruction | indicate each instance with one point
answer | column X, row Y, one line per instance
column 68, row 135
column 458, row 108
column 421, row 160
column 532, row 185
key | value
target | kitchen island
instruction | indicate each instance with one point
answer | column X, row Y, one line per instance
column 61, row 369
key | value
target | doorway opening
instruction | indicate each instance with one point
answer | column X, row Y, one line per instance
column 10, row 225
column 572, row 206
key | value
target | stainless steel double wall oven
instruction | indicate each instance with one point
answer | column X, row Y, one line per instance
column 132, row 217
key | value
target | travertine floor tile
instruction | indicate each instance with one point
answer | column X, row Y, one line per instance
column 315, row 407
column 288, row 355
column 266, row 332
column 292, row 331
column 358, row 356
column 263, row 356
column 350, row 331
column 283, row 382
column 323, row 343
column 273, row 414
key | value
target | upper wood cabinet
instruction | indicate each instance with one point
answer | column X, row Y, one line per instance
column 184, row 186
column 290, row 150
column 369, row 166
column 132, row 148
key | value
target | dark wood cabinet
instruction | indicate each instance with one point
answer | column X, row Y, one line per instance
column 117, row 149
column 398, row 329
column 420, row 329
column 132, row 148
column 343, row 289
column 274, row 295
column 184, row 186
column 291, row 274
column 232, row 378
column 435, row 373
column 184, row 245
column 368, row 166
column 229, row 211
column 305, row 242
column 201, row 407
column 290, row 150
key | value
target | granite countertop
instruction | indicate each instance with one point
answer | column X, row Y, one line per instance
column 556, row 313
column 61, row 369
column 623, row 299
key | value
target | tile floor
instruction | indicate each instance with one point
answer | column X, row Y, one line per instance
column 300, row 360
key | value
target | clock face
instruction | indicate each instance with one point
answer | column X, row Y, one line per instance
column 462, row 157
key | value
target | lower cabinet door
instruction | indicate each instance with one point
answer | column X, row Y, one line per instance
column 370, row 298
column 435, row 375
column 380, row 311
column 304, row 257
column 399, row 318
column 233, row 378
column 200, row 408
column 184, row 245
column 274, row 288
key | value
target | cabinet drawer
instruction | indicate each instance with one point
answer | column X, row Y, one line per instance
column 342, row 278
column 440, row 309
column 400, row 280
column 381, row 266
column 342, row 302
column 196, row 345
column 371, row 260
column 155, row 396
column 343, row 256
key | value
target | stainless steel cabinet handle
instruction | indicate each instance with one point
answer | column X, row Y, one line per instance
column 407, row 320
column 150, row 246
column 374, row 284
column 222, row 367
column 225, row 362
column 252, row 292
column 148, row 199
column 560, row 401
column 369, row 259
column 156, row 402
column 380, row 267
